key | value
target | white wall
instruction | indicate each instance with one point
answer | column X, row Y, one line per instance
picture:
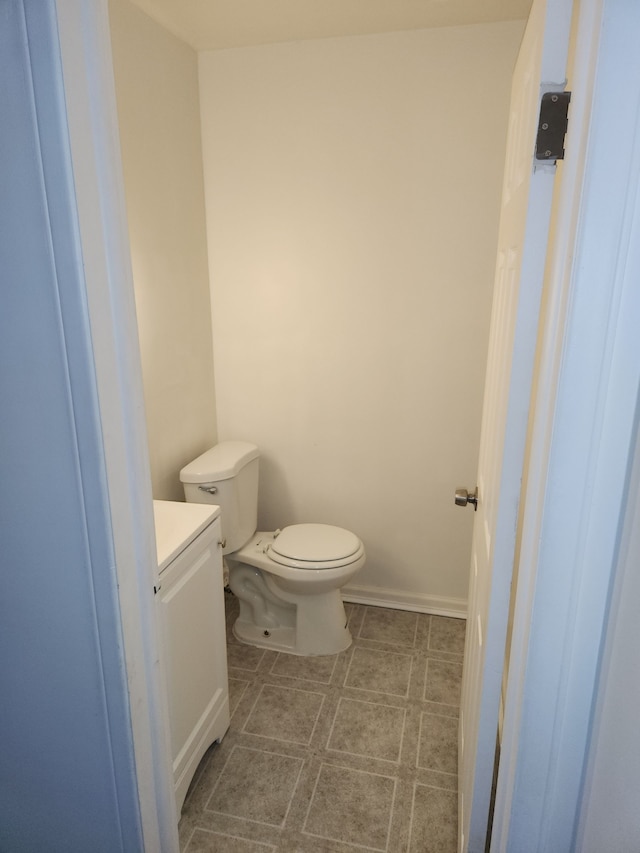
column 352, row 192
column 158, row 111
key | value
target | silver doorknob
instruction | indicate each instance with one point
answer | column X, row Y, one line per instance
column 463, row 497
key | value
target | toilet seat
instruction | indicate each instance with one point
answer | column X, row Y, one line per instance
column 315, row 546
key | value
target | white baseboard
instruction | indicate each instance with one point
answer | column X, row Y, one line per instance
column 398, row 600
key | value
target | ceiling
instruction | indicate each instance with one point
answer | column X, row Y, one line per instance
column 219, row 24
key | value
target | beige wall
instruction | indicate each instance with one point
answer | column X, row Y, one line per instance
column 352, row 190
column 158, row 111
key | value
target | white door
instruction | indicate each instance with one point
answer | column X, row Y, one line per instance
column 522, row 243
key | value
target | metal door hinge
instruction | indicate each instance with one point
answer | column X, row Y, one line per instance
column 552, row 126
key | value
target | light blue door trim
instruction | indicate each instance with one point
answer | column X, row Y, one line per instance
column 67, row 774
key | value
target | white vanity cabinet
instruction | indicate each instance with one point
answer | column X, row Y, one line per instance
column 190, row 597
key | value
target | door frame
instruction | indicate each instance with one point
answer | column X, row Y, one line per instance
column 85, row 48
column 523, row 241
column 90, row 99
column 583, row 426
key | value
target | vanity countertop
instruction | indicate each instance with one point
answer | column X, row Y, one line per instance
column 177, row 524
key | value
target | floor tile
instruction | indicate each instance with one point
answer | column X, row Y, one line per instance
column 397, row 627
column 438, row 748
column 336, row 754
column 318, row 669
column 379, row 672
column 237, row 688
column 285, row 714
column 365, row 728
column 351, row 806
column 203, row 841
column 434, row 825
column 447, row 634
column 443, row 682
column 256, row 786
column 241, row 656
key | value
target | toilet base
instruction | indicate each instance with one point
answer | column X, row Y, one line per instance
column 272, row 618
column 284, row 639
column 300, row 612
column 277, row 639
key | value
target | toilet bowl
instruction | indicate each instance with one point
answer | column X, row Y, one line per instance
column 287, row 581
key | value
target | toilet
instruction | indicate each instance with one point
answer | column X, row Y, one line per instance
column 287, row 581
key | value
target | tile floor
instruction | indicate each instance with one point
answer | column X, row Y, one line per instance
column 356, row 751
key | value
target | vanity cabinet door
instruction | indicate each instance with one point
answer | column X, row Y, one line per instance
column 191, row 601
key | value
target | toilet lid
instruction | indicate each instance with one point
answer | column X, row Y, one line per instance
column 314, row 543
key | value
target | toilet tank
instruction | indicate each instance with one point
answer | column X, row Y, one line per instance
column 227, row 475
